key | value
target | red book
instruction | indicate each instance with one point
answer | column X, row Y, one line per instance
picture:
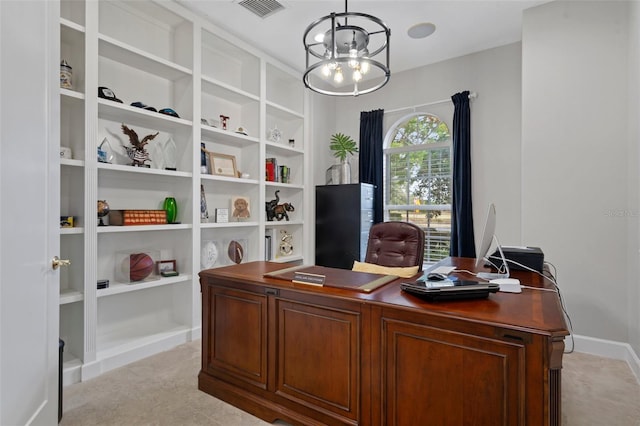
column 270, row 172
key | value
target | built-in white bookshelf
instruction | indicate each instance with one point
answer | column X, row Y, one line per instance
column 164, row 56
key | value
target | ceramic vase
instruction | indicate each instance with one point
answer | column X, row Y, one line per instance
column 345, row 172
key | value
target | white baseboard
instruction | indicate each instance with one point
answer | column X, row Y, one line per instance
column 609, row 349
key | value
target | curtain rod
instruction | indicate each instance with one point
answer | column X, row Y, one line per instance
column 472, row 95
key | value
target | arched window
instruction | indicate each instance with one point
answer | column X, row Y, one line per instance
column 418, row 179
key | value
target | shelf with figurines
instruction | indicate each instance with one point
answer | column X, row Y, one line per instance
column 120, row 112
column 281, row 245
column 238, row 137
column 155, row 153
column 218, row 210
column 226, row 113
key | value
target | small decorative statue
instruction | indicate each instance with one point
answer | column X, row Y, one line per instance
column 223, row 121
column 286, row 246
column 103, row 210
column 278, row 211
column 138, row 154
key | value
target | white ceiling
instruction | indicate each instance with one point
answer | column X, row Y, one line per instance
column 462, row 27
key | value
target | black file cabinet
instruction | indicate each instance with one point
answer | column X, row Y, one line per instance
column 344, row 215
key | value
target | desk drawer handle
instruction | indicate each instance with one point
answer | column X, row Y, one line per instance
column 272, row 292
column 513, row 335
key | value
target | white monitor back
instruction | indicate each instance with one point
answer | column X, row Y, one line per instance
column 488, row 235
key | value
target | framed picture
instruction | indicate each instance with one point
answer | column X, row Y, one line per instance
column 223, row 164
column 240, row 208
column 167, row 268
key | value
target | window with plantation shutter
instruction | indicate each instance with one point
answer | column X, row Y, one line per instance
column 418, row 179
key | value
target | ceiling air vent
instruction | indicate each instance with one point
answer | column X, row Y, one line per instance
column 262, row 8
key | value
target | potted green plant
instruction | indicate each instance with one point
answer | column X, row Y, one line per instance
column 343, row 146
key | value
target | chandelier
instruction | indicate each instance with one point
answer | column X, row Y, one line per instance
column 347, row 54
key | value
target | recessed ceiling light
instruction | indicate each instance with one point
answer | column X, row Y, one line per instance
column 421, row 30
column 319, row 37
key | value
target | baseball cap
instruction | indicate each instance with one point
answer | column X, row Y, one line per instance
column 141, row 105
column 106, row 93
column 169, row 111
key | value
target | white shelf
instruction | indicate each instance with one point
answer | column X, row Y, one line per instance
column 283, row 223
column 115, row 111
column 139, row 59
column 119, row 288
column 70, row 296
column 228, row 137
column 283, row 185
column 228, row 225
column 142, row 170
column 71, row 162
column 143, row 228
column 230, row 179
column 283, row 112
column 65, row 23
column 72, row 231
column 219, row 89
column 282, row 149
column 71, row 94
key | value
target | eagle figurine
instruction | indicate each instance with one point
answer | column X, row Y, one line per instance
column 137, row 152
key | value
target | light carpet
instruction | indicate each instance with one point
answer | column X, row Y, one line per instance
column 163, row 390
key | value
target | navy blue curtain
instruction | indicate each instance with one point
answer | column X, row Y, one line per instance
column 462, row 242
column 370, row 166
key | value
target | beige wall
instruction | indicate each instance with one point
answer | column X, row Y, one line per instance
column 554, row 146
column 575, row 147
column 495, row 120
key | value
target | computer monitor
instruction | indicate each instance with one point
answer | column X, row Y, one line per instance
column 488, row 235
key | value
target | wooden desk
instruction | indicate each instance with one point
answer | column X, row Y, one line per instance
column 319, row 355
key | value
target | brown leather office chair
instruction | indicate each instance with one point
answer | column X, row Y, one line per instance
column 395, row 244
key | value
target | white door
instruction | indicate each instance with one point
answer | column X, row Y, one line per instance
column 29, row 211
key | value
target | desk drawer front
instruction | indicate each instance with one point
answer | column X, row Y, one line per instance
column 318, row 357
column 237, row 338
column 433, row 376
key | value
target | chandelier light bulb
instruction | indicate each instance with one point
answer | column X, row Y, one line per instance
column 357, row 76
column 364, row 67
column 326, row 70
column 338, row 77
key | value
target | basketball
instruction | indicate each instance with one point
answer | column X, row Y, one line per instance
column 140, row 266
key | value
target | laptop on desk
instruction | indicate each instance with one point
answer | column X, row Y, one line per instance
column 452, row 288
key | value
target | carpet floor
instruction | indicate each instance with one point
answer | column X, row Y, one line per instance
column 163, row 390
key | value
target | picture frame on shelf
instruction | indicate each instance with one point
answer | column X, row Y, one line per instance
column 222, row 215
column 223, row 164
column 167, row 268
column 240, row 207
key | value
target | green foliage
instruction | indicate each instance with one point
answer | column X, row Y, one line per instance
column 421, row 177
column 342, row 145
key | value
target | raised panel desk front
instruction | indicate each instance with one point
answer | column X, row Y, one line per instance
column 314, row 355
